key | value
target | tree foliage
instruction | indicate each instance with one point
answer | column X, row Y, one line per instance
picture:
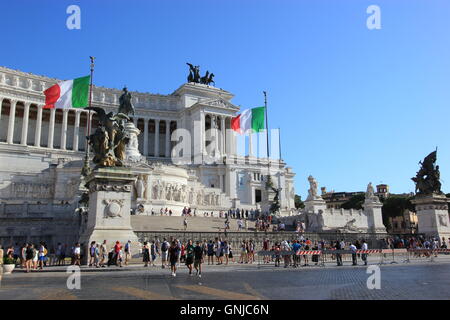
column 298, row 202
column 355, row 202
column 394, row 206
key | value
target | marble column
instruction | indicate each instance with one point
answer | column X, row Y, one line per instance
column 202, row 133
column 222, row 131
column 37, row 132
column 51, row 128
column 250, row 144
column 76, row 130
column 64, row 129
column 12, row 118
column 146, row 137
column 156, row 137
column 26, row 116
column 167, row 139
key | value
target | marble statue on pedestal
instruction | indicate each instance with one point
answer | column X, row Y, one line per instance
column 312, row 191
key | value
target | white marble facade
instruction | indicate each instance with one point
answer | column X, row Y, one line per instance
column 41, row 153
column 318, row 218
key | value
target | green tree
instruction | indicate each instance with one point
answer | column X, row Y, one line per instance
column 355, row 202
column 298, row 202
column 394, row 206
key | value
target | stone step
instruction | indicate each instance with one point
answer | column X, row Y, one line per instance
column 175, row 223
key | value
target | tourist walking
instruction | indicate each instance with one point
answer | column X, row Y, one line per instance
column 153, row 252
column 127, row 252
column 337, row 246
column 189, row 256
column 364, row 246
column 23, row 258
column 145, row 254
column 103, row 252
column 117, row 248
column 42, row 255
column 243, row 257
column 210, row 250
column 29, row 255
column 286, row 248
column 91, row 253
column 77, row 254
column 218, row 250
column 174, row 252
column 354, row 257
column 164, row 253
column 226, row 251
column 198, row 259
column 296, row 254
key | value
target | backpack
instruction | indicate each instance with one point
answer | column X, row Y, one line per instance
column 164, row 246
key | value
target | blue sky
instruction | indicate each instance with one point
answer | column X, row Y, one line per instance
column 354, row 105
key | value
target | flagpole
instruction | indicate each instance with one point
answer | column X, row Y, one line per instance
column 86, row 169
column 267, row 131
column 279, row 143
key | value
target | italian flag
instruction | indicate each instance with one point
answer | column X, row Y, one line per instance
column 68, row 94
column 250, row 119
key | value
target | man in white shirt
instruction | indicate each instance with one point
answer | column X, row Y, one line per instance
column 364, row 255
column 354, row 258
column 77, row 254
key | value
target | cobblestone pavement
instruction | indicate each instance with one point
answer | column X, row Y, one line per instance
column 400, row 281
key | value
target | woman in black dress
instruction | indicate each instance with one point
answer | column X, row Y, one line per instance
column 146, row 254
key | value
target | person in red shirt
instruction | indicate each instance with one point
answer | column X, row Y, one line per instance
column 117, row 248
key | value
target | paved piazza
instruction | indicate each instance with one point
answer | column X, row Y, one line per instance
column 425, row 280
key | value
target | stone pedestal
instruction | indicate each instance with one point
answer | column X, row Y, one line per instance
column 109, row 208
column 314, row 205
column 372, row 209
column 268, row 196
column 132, row 153
column 432, row 215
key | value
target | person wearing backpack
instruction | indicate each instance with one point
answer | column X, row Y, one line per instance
column 127, row 252
column 210, row 252
column 164, row 252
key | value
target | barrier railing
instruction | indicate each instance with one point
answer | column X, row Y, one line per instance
column 383, row 256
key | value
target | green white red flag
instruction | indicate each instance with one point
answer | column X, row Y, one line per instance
column 68, row 94
column 250, row 119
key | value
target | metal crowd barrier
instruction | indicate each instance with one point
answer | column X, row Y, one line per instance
column 383, row 256
column 429, row 254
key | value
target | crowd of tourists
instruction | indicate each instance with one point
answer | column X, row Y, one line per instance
column 172, row 252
